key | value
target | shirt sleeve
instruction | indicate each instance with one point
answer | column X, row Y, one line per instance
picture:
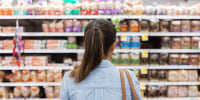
column 136, row 84
column 64, row 88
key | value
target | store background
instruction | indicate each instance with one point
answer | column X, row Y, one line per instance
column 166, row 70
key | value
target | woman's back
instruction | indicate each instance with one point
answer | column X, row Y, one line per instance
column 103, row 83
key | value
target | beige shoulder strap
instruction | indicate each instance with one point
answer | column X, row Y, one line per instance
column 131, row 84
column 123, row 85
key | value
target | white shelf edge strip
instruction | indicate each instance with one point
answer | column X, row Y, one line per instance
column 48, row 34
column 59, row 83
column 175, row 98
column 32, row 99
column 120, row 67
column 101, row 17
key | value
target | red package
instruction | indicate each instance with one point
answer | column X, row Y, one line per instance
column 34, row 77
column 26, row 75
column 50, row 75
column 36, row 60
column 41, row 75
column 172, row 91
column 17, row 76
column 58, row 75
column 182, row 91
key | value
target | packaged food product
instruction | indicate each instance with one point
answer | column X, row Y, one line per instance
column 135, row 43
column 195, row 26
column 143, row 76
column 160, row 10
column 154, row 59
column 186, row 43
column 174, row 59
column 3, row 92
column 133, row 25
column 34, row 77
column 34, row 44
column 118, row 43
column 192, row 75
column 109, row 7
column 195, row 42
column 153, row 91
column 60, row 26
column 72, row 42
column 44, row 10
column 173, row 75
column 164, row 59
column 52, row 26
column 59, row 10
column 193, row 10
column 76, row 26
column 154, row 75
column 138, row 9
column 58, row 75
column 17, row 92
column 117, row 7
column 150, row 10
column 67, row 61
column 68, row 8
column 124, row 59
column 185, row 26
column 10, row 61
column 37, row 10
column 175, row 26
column 184, row 59
column 162, row 75
column 41, row 74
column 84, row 23
column 193, row 59
column 163, row 91
column 36, row 60
column 116, row 22
column 183, row 75
column 166, row 43
column 8, row 44
column 17, row 76
column 172, row 10
column 144, row 60
column 57, row 91
column 154, row 26
column 26, row 91
column 123, row 26
column 45, row 26
column 172, row 91
column 26, row 75
column 1, row 76
column 176, row 43
column 35, row 92
column 79, row 56
column 101, row 6
column 192, row 91
column 182, row 91
column 116, row 58
column 134, row 58
column 127, row 9
column 144, row 26
column 94, row 8
column 49, row 91
column 125, row 42
column 183, row 10
column 68, row 26
column 51, row 10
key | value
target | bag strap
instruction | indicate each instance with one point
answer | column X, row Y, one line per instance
column 123, row 84
column 131, row 84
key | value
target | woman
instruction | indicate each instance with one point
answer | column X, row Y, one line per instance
column 97, row 78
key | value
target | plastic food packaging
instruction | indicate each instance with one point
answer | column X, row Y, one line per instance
column 134, row 58
column 195, row 42
column 17, row 76
column 84, row 23
column 123, row 26
column 118, row 43
column 51, row 10
column 164, row 26
column 68, row 8
column 144, row 60
column 182, row 91
column 60, row 26
column 154, row 75
column 163, row 91
column 166, row 43
column 26, row 91
column 138, row 9
column 154, row 59
column 17, row 92
column 192, row 91
column 8, row 44
column 67, row 61
column 116, row 58
column 26, row 75
column 45, row 26
column 59, row 11
column 101, row 6
column 186, row 43
column 94, row 8
column 57, row 91
column 144, row 26
column 52, row 26
column 174, row 59
column 109, row 7
column 36, row 60
column 153, row 91
column 76, row 26
column 195, row 26
column 175, row 26
column 154, row 27
column 184, row 59
column 183, row 10
column 176, row 43
column 57, row 75
column 172, row 91
column 193, row 59
column 150, row 10
column 41, row 74
column 160, row 10
column 185, row 26
column 133, row 25
column 35, row 92
column 135, row 43
column 173, row 75
column 49, row 91
column 183, row 75
column 192, row 75
column 72, row 42
column 162, row 75
column 164, row 59
column 3, row 92
column 125, row 42
column 50, row 75
column 34, row 77
column 124, row 59
column 34, row 44
column 172, row 10
column 1, row 76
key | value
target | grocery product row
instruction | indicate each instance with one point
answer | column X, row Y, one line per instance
column 125, row 25
column 126, row 59
column 100, row 7
column 171, row 91
column 29, row 92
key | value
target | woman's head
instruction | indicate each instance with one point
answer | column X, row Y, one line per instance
column 99, row 42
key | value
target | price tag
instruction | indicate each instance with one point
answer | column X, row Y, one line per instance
column 48, row 84
column 145, row 54
column 44, row 33
column 142, row 94
column 145, row 37
column 144, row 70
column 142, row 86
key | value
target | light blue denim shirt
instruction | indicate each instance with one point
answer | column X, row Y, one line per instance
column 103, row 83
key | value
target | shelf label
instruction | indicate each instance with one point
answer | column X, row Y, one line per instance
column 145, row 37
column 44, row 33
column 145, row 54
column 144, row 70
column 142, row 86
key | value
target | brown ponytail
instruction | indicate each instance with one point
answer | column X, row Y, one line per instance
column 99, row 35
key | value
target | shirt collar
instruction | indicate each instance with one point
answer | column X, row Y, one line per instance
column 105, row 64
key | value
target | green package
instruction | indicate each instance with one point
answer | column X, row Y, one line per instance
column 135, row 59
column 116, row 59
column 124, row 59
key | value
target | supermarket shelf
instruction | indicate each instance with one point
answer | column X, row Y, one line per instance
column 174, row 51
column 37, row 68
column 31, row 84
column 101, row 17
column 177, row 98
column 170, row 83
column 55, row 51
column 61, row 34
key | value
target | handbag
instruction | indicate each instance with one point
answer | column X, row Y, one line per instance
column 130, row 83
